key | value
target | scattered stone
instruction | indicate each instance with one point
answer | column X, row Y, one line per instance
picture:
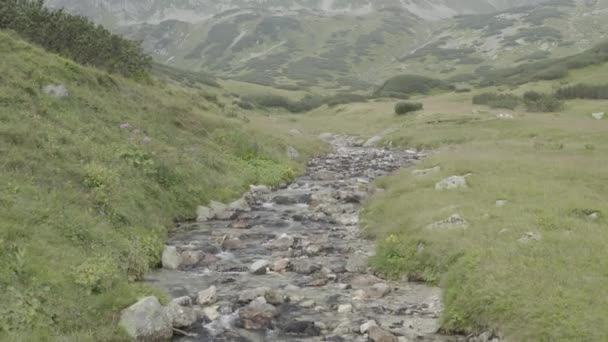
column 530, row 237
column 292, row 153
column 598, row 116
column 259, row 267
column 343, row 328
column 280, row 265
column 345, row 308
column 594, row 216
column 450, row 183
column 207, row 297
column 147, row 320
column 373, row 141
column 183, row 301
column 357, row 264
column 257, row 315
column 181, row 316
column 377, row 334
column 453, row 222
column 314, row 250
column 365, row 280
column 221, row 211
column 171, row 258
column 283, row 243
column 308, row 304
column 427, row 172
column 56, row 90
column 305, row 267
column 240, row 224
column 504, row 116
column 275, row 297
column 239, row 205
column 260, row 189
column 366, row 326
column 501, row 203
column 231, row 244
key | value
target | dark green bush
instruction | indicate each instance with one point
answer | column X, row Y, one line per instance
column 339, row 99
column 402, row 108
column 74, row 37
column 496, row 100
column 583, row 91
column 411, row 84
column 540, row 102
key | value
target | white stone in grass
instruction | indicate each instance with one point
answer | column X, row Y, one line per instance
column 56, row 91
column 451, row 183
column 373, row 141
column 501, row 203
column 530, row 237
column 598, row 116
column 504, row 116
column 292, row 153
column 453, row 222
column 326, row 136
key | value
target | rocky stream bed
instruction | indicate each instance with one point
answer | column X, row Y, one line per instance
column 290, row 264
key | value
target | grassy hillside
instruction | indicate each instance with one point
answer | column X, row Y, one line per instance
column 531, row 268
column 90, row 183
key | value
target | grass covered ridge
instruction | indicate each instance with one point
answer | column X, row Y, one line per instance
column 85, row 203
column 550, row 169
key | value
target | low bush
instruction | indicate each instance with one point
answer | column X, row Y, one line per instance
column 402, row 108
column 411, row 84
column 540, row 102
column 583, row 91
column 496, row 100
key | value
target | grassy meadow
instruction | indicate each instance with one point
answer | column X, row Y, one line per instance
column 91, row 183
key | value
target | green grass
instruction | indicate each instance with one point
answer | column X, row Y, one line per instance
column 85, row 205
column 550, row 170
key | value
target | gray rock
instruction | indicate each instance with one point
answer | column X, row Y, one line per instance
column 207, row 297
column 345, row 308
column 281, row 265
column 283, row 243
column 325, row 175
column 191, row 258
column 232, row 243
column 366, row 326
column 377, row 334
column 343, row 328
column 294, row 132
column 260, row 189
column 183, row 301
column 259, row 267
column 453, row 222
column 305, row 267
column 292, row 153
column 147, row 320
column 530, row 237
column 203, row 214
column 171, row 259
column 211, row 312
column 378, row 291
column 239, row 205
column 56, row 90
column 365, row 280
column 246, row 296
column 598, row 116
column 326, row 136
column 357, row 264
column 373, row 141
column 257, row 315
column 308, row 304
column 275, row 297
column 451, row 183
column 181, row 316
column 501, row 203
column 427, row 172
column 594, row 216
column 221, row 211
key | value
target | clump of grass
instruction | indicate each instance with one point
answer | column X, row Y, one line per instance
column 402, row 108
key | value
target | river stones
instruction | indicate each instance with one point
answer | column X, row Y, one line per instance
column 208, row 296
column 257, row 315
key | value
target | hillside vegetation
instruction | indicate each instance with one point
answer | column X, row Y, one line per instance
column 90, row 183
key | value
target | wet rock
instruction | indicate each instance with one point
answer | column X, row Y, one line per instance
column 280, row 265
column 304, row 266
column 56, row 90
column 207, row 297
column 183, row 301
column 147, row 320
column 208, row 260
column 313, row 250
column 325, row 175
column 240, row 224
column 231, row 244
column 343, row 328
column 221, row 211
column 257, row 315
column 308, row 304
column 190, row 258
column 171, row 258
column 275, row 297
column 302, row 329
column 345, row 308
column 259, row 267
column 211, row 313
column 378, row 291
column 427, row 172
column 203, row 214
column 451, row 183
column 283, row 243
column 357, row 264
column 365, row 280
column 246, row 296
column 377, row 334
column 292, row 153
column 366, row 326
column 181, row 316
column 239, row 205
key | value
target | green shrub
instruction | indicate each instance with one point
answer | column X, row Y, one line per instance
column 402, row 108
column 496, row 100
column 540, row 102
column 74, row 37
column 583, row 91
column 411, row 84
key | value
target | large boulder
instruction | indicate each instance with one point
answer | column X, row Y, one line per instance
column 181, row 316
column 147, row 321
column 171, row 259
